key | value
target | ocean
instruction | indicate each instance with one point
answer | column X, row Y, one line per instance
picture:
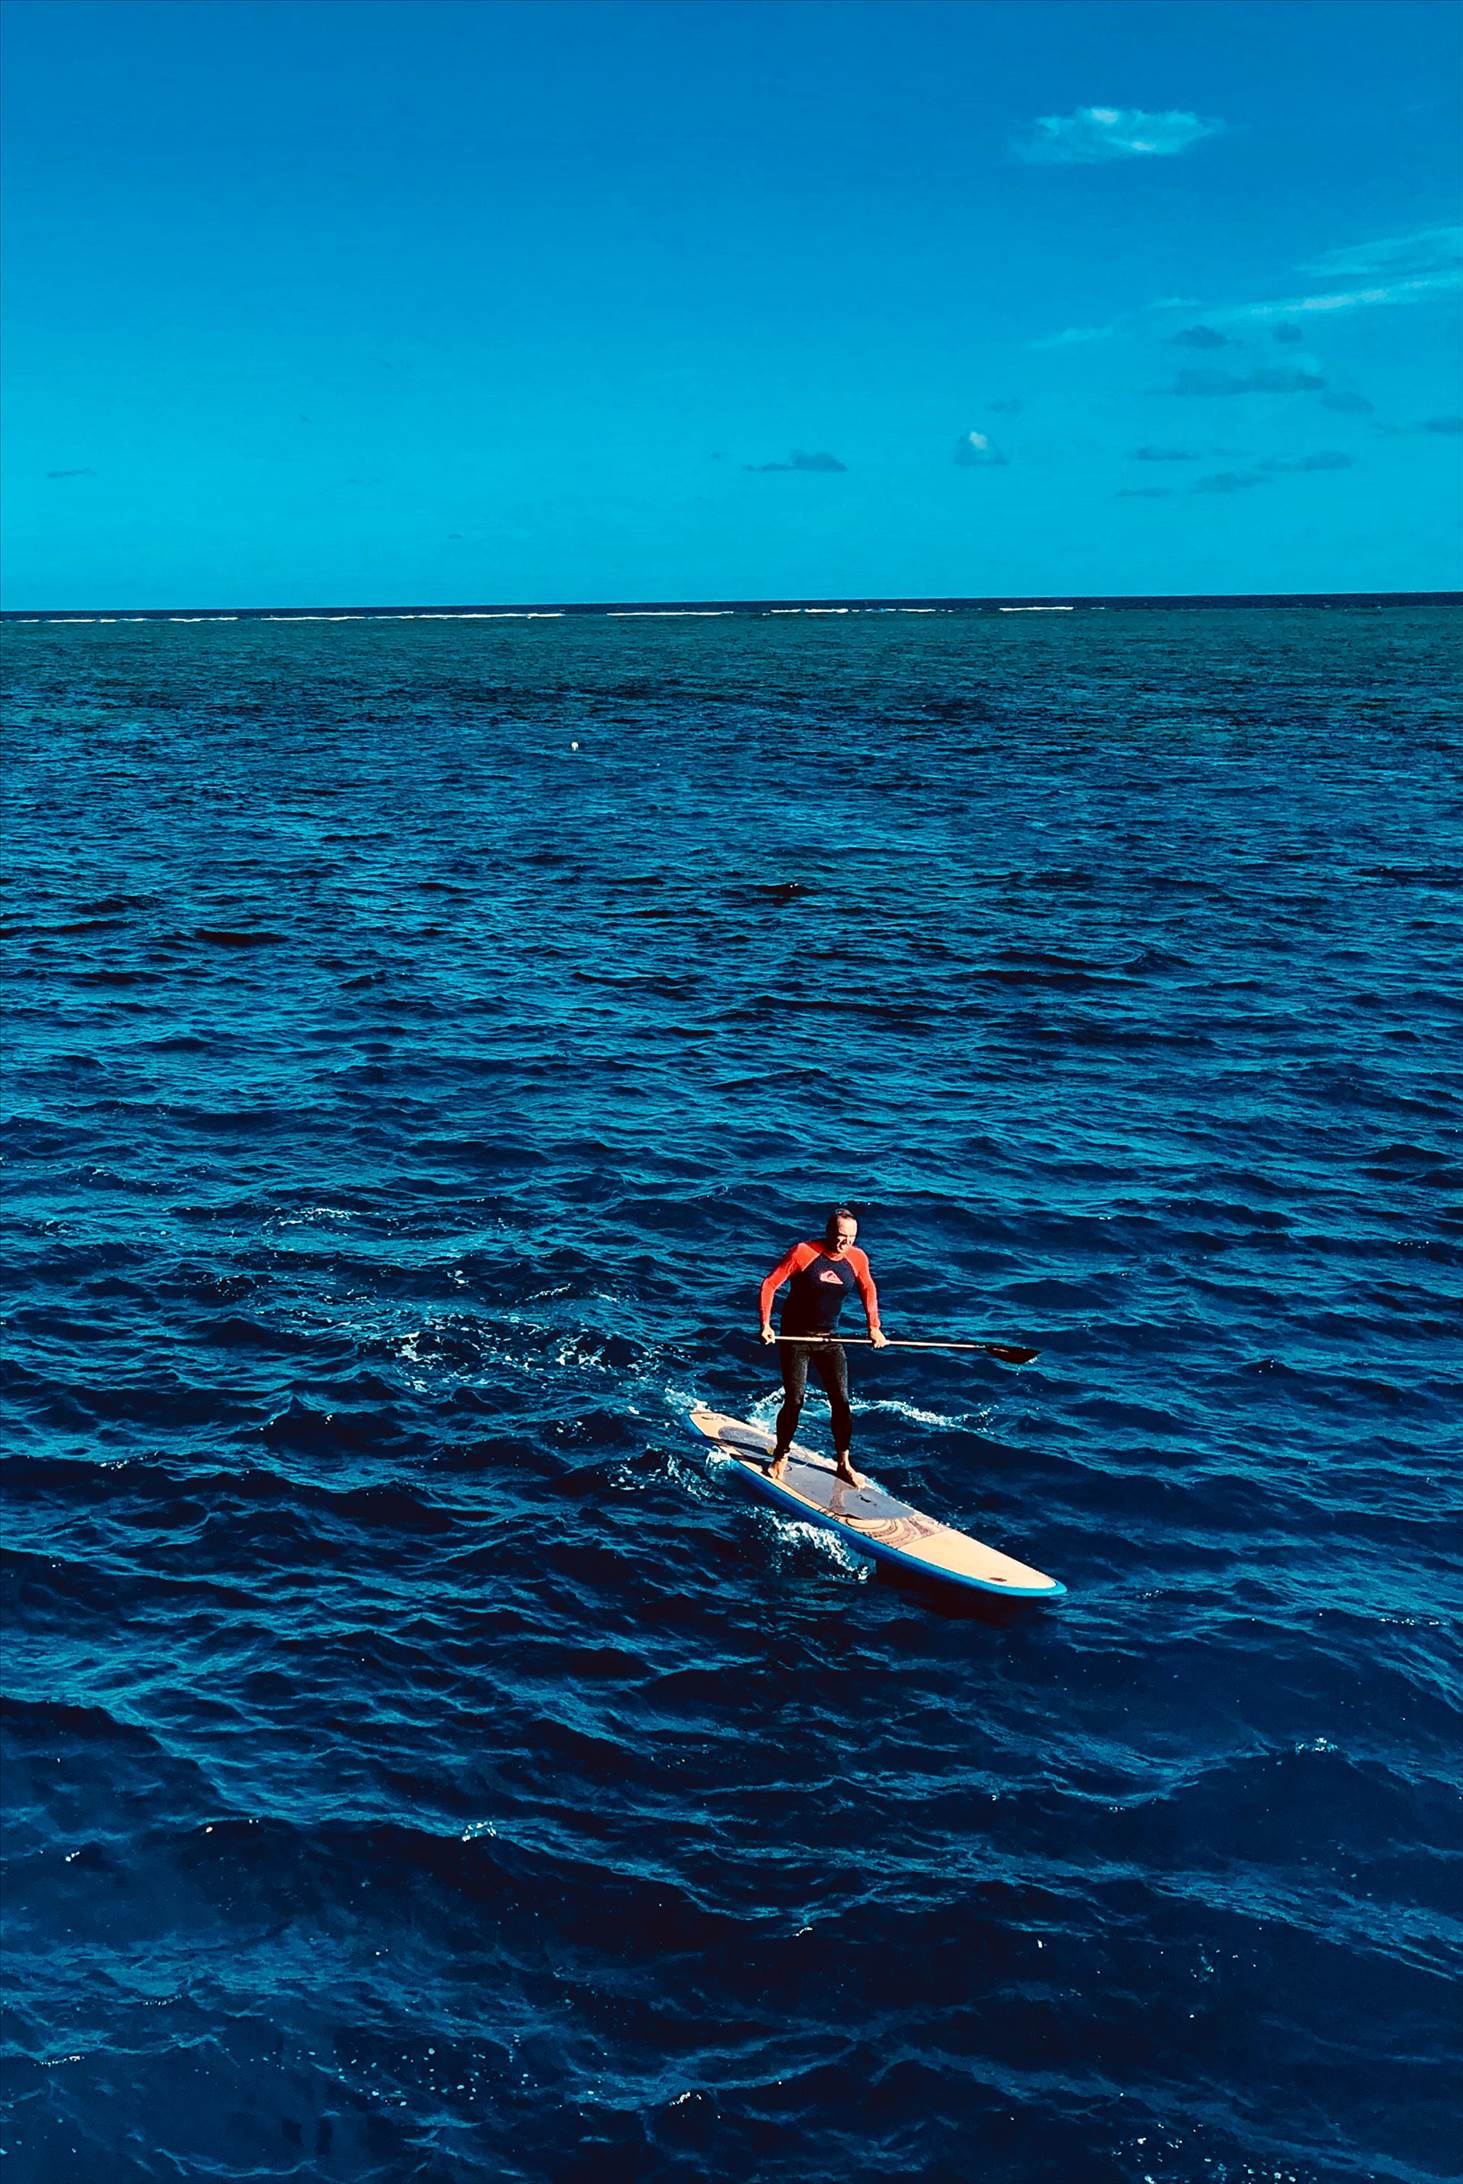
column 423, row 1034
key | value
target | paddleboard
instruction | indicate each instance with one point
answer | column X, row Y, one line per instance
column 868, row 1518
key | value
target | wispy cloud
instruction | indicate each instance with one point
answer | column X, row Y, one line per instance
column 1228, row 481
column 1246, row 481
column 1006, row 408
column 70, row 473
column 1128, row 319
column 975, row 451
column 800, row 461
column 1071, row 335
column 1446, row 426
column 1401, row 269
column 1202, row 337
column 1241, row 481
column 1346, row 402
column 1418, row 289
column 1424, row 251
column 1098, row 133
column 1266, row 379
column 1326, row 458
column 1165, row 455
column 1396, row 269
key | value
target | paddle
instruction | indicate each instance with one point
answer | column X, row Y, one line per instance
column 1009, row 1353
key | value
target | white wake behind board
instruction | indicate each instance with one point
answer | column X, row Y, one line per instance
column 868, row 1518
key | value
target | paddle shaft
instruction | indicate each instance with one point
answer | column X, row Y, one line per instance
column 1010, row 1353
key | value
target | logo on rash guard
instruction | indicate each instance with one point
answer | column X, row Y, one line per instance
column 828, row 1275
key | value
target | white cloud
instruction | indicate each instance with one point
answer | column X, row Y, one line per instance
column 976, row 450
column 1397, row 269
column 1417, row 268
column 1425, row 251
column 1096, row 133
column 1416, row 290
column 1075, row 334
column 1072, row 334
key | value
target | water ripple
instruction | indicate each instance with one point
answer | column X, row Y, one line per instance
column 419, row 1761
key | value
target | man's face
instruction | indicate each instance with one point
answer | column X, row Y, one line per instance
column 844, row 1233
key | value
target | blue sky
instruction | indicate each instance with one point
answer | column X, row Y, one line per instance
column 386, row 303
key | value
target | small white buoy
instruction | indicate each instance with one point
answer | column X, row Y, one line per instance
column 573, row 746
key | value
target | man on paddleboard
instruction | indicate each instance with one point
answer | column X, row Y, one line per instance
column 822, row 1277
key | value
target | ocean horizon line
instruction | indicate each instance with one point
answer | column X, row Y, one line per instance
column 627, row 609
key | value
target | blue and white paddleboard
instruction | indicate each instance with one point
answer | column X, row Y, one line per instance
column 868, row 1518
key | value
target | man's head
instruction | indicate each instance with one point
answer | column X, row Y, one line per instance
column 840, row 1229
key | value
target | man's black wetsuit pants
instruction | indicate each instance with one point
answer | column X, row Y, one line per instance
column 829, row 1361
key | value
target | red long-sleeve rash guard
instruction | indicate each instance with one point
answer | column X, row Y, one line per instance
column 821, row 1285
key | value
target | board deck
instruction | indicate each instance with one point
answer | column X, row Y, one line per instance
column 867, row 1517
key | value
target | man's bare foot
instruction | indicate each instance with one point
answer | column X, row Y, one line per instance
column 846, row 1473
column 777, row 1470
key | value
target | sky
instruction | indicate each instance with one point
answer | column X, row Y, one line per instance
column 329, row 302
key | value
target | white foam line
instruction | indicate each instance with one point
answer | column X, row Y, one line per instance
column 801, row 1532
column 666, row 614
column 918, row 1417
column 1037, row 610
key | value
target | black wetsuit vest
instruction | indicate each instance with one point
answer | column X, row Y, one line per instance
column 816, row 1295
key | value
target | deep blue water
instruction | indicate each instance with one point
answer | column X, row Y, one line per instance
column 420, row 1765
